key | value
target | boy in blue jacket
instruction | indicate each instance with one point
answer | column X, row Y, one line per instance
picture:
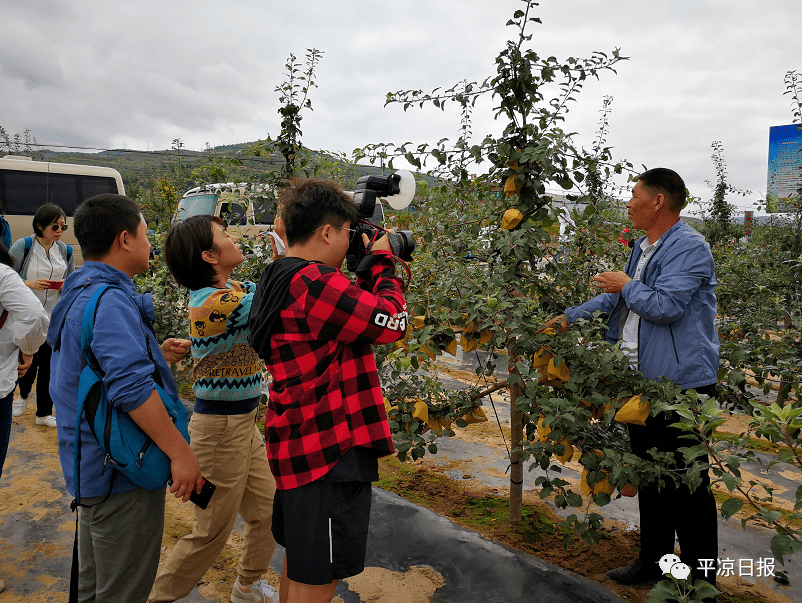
column 122, row 523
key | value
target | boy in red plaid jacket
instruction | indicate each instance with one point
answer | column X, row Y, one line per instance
column 325, row 426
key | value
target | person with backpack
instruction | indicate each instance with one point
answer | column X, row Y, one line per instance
column 227, row 383
column 121, row 522
column 23, row 327
column 43, row 261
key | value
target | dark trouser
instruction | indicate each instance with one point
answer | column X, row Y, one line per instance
column 674, row 508
column 40, row 364
column 118, row 546
column 5, row 427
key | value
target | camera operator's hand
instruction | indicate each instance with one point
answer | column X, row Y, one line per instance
column 382, row 244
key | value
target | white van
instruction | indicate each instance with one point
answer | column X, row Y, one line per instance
column 247, row 209
column 25, row 185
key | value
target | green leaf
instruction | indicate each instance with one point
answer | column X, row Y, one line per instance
column 770, row 516
column 590, row 536
column 731, row 481
column 782, row 545
column 730, row 507
column 663, row 592
column 704, row 591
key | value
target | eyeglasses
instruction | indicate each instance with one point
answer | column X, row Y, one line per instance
column 57, row 227
column 351, row 231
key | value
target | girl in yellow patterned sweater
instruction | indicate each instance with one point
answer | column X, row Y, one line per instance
column 201, row 254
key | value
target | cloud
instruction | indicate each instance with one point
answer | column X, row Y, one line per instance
column 93, row 73
column 28, row 57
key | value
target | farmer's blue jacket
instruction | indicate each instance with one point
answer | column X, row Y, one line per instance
column 122, row 332
column 675, row 298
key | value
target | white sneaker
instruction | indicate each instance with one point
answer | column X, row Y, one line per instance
column 48, row 421
column 258, row 592
column 18, row 407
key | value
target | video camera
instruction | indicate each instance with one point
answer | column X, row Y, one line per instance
column 400, row 188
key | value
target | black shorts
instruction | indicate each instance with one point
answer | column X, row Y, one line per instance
column 324, row 528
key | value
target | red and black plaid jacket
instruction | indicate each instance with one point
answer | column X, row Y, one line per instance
column 325, row 397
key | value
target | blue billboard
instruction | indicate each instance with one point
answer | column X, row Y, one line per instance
column 785, row 168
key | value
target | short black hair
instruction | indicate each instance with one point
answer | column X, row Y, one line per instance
column 183, row 250
column 100, row 219
column 306, row 205
column 669, row 183
column 46, row 214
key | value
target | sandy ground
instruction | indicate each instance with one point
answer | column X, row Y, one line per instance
column 36, row 530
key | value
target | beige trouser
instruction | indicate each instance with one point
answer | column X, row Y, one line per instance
column 232, row 456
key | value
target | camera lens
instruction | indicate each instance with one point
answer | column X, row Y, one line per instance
column 403, row 244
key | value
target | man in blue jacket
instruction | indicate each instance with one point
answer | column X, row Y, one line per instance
column 662, row 309
column 121, row 527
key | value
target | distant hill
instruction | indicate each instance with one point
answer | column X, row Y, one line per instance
column 144, row 167
column 141, row 167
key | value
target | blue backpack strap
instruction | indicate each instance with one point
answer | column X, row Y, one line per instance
column 88, row 321
column 28, row 245
column 87, row 331
column 66, row 250
column 5, row 232
column 87, row 378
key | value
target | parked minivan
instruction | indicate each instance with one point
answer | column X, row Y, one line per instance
column 247, row 209
column 25, row 185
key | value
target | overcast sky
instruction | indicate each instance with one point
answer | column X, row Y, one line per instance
column 137, row 75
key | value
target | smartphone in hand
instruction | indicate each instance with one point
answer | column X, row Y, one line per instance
column 202, row 499
column 55, row 285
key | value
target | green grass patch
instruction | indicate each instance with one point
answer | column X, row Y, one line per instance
column 403, row 479
column 474, row 512
column 756, row 444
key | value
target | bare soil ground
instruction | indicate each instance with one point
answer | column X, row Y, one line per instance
column 37, row 492
column 467, row 502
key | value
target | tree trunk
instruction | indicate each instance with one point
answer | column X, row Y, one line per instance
column 516, row 437
column 782, row 395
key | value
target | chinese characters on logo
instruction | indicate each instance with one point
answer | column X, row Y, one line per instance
column 758, row 568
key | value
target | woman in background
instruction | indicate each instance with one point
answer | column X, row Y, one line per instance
column 43, row 261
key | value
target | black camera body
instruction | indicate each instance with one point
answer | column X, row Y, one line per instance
column 368, row 190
